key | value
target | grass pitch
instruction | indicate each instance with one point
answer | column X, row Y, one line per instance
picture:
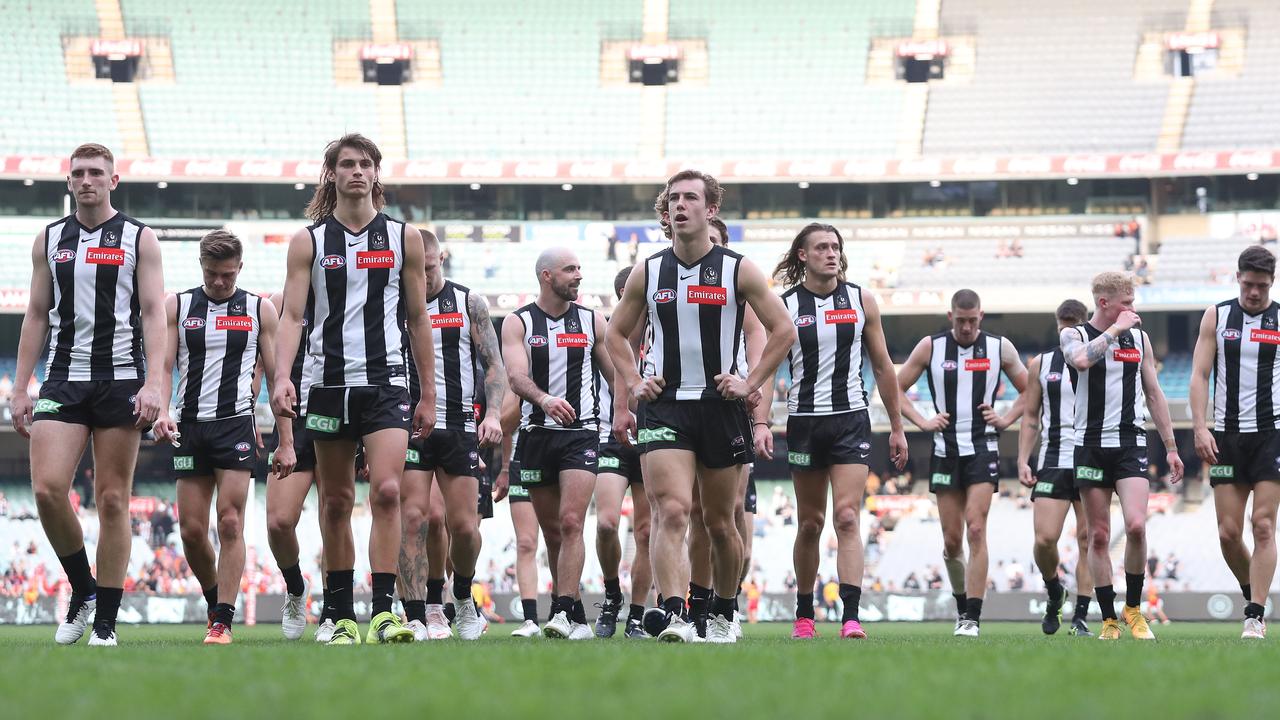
column 902, row 670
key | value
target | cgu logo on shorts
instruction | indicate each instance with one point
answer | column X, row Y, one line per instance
column 609, row 462
column 802, row 459
column 658, row 434
column 1044, row 487
column 375, row 260
column 333, row 262
column 193, row 323
column 805, row 320
column 411, row 455
column 572, row 340
column 104, row 256
column 708, row 295
column 530, row 476
column 1084, row 472
column 1224, row 472
column 665, row 295
column 45, row 405
column 184, row 462
column 446, row 320
column 64, row 256
column 322, row 423
column 941, row 479
column 234, row 323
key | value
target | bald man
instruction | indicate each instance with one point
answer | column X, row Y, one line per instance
column 553, row 349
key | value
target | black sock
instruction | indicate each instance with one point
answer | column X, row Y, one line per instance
column 1254, row 610
column 613, row 591
column 530, row 609
column 224, row 613
column 1133, row 588
column 722, row 606
column 579, row 613
column 450, row 612
column 415, row 610
column 804, row 605
column 384, row 590
column 1056, row 592
column 108, row 608
column 1247, row 590
column 699, row 598
column 76, row 565
column 675, row 606
column 1106, row 595
column 635, row 612
column 293, row 582
column 326, row 608
column 461, row 587
column 735, row 602
column 850, row 595
column 342, row 594
column 435, row 591
column 211, row 597
column 961, row 603
column 1082, row 608
column 562, row 604
column 973, row 609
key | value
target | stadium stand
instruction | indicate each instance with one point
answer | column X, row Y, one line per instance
column 785, row 80
column 972, row 261
column 1070, row 98
column 526, row 87
column 43, row 112
column 1199, row 261
column 1240, row 112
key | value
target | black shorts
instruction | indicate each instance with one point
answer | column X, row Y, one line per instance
column 350, row 413
column 545, row 453
column 1055, row 484
column 515, row 491
column 1101, row 467
column 716, row 431
column 227, row 444
column 959, row 473
column 816, row 442
column 618, row 459
column 1246, row 457
column 452, row 451
column 303, row 449
column 750, row 504
column 96, row 403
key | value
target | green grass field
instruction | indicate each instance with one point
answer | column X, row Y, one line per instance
column 903, row 670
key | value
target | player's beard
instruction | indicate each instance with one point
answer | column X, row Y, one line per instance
column 566, row 292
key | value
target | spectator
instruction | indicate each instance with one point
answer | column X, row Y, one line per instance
column 161, row 526
column 633, row 247
column 6, row 386
column 935, row 578
column 790, row 582
column 830, row 598
column 1171, row 566
column 911, row 583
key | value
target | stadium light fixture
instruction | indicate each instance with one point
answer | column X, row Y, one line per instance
column 475, row 186
column 1073, row 181
column 935, row 183
column 566, row 187
column 1250, row 176
column 804, row 186
column 162, row 184
column 28, row 182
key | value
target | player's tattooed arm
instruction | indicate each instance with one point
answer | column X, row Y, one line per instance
column 486, row 342
column 1084, row 355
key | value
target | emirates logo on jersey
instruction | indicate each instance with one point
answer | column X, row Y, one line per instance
column 193, row 323
column 537, row 341
column 446, row 320
column 375, row 260
column 977, row 364
column 572, row 340
column 841, row 317
column 664, row 296
column 708, row 295
column 1230, row 334
column 805, row 320
column 333, row 262
column 64, row 256
column 1266, row 337
column 104, row 256
column 234, row 323
column 1128, row 355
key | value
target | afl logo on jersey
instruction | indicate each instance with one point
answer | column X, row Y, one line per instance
column 665, row 295
column 1053, row 377
column 242, row 447
column 64, row 256
column 537, row 341
column 805, row 320
column 949, row 365
column 193, row 323
column 333, row 262
column 1230, row 334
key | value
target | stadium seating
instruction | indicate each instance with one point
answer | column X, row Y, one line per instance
column 1038, row 88
column 43, row 114
column 280, row 99
column 1199, row 261
column 786, row 80
column 526, row 86
column 972, row 261
column 1241, row 112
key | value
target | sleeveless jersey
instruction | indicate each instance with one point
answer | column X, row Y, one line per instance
column 826, row 358
column 455, row 363
column 559, row 350
column 1111, row 408
column 1246, row 387
column 1057, row 411
column 217, row 352
column 961, row 379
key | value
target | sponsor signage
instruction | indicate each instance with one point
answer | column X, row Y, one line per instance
column 236, row 323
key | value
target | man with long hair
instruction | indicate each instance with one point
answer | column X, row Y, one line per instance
column 363, row 274
column 97, row 284
column 828, row 426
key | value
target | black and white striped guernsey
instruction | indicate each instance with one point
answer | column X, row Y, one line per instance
column 1246, row 388
column 1111, row 407
column 826, row 358
column 95, row 318
column 357, row 336
column 561, row 363
column 455, row 361
column 1057, row 411
column 217, row 352
column 695, row 314
column 300, row 357
column 961, row 379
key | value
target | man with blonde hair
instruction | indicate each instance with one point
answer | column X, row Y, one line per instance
column 1116, row 387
